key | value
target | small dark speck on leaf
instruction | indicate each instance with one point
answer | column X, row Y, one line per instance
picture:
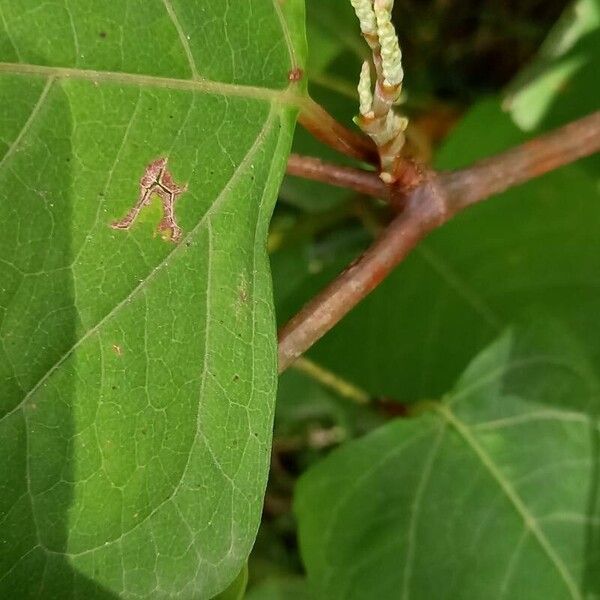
column 114, row 387
column 236, row 377
column 102, row 34
column 188, row 244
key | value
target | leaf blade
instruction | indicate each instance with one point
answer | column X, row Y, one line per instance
column 139, row 379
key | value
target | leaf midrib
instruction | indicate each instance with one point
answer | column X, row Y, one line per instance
column 288, row 96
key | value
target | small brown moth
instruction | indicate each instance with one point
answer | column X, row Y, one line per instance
column 156, row 180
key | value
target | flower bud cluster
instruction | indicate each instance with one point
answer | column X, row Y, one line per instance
column 377, row 117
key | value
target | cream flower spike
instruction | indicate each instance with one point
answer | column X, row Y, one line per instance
column 365, row 93
column 377, row 117
column 366, row 15
column 391, row 56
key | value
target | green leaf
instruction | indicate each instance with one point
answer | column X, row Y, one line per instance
column 485, row 269
column 281, row 589
column 237, row 588
column 491, row 493
column 560, row 79
column 137, row 376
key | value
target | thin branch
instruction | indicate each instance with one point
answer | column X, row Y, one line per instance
column 315, row 119
column 536, row 157
column 331, row 381
column 434, row 202
column 408, row 175
column 359, row 180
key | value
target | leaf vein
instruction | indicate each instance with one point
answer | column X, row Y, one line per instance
column 182, row 36
column 286, row 33
column 27, row 126
column 285, row 96
column 415, row 510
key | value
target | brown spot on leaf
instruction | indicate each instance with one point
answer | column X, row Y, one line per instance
column 295, row 75
column 157, row 180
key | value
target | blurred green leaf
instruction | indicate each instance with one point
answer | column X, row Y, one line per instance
column 561, row 78
column 137, row 376
column 535, row 248
column 332, row 30
column 281, row 589
column 491, row 493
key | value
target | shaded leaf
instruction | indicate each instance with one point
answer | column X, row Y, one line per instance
column 553, row 82
column 491, row 493
column 281, row 589
column 137, row 376
column 535, row 248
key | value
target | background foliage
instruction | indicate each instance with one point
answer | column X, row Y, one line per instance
column 449, row 496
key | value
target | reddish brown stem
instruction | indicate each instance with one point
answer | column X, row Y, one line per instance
column 315, row 119
column 432, row 203
column 359, row 180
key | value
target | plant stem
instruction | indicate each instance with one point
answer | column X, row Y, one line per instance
column 315, row 119
column 331, row 381
column 359, row 180
column 429, row 205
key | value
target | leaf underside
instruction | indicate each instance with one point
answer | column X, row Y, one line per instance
column 137, row 376
column 493, row 491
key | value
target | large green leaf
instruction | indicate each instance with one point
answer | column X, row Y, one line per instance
column 137, row 376
column 491, row 493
